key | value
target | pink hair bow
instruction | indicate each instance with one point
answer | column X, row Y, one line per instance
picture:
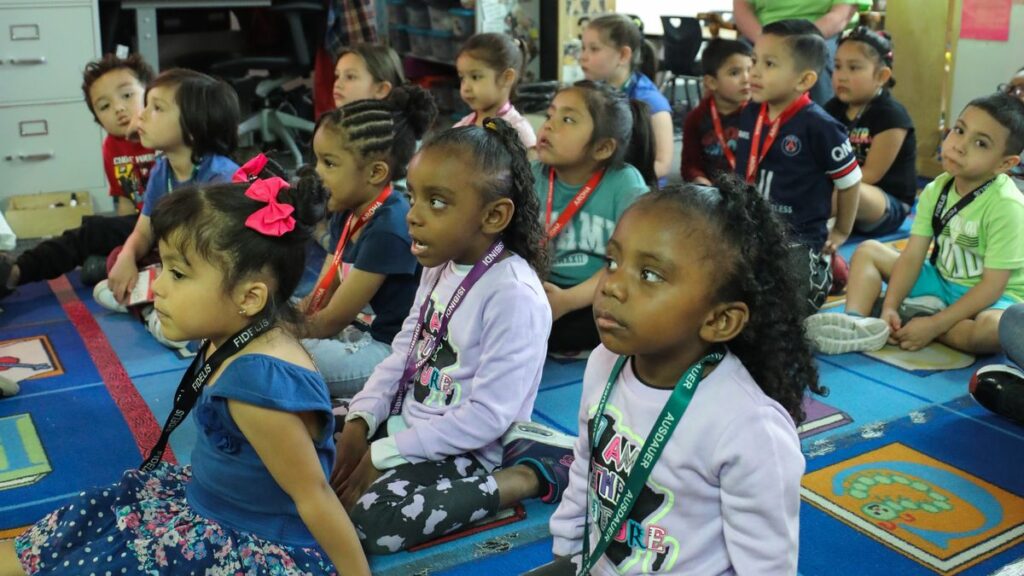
column 274, row 219
column 250, row 171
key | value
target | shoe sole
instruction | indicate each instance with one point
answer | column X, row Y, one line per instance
column 830, row 334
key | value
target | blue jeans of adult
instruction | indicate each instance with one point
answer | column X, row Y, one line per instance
column 1011, row 333
column 347, row 361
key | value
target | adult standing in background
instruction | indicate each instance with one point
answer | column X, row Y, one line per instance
column 830, row 16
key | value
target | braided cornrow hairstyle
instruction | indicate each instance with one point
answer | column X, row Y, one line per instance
column 750, row 245
column 503, row 171
column 384, row 129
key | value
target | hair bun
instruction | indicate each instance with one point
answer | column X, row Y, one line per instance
column 416, row 106
column 309, row 198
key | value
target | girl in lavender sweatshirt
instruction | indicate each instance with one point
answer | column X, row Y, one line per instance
column 692, row 304
column 420, row 449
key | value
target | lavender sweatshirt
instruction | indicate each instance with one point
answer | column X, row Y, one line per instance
column 724, row 497
column 483, row 376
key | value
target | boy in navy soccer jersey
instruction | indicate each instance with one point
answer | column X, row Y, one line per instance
column 796, row 153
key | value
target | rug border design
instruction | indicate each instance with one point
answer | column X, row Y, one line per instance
column 141, row 421
column 56, row 366
column 948, row 565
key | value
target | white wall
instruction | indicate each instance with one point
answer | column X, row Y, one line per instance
column 981, row 65
column 650, row 11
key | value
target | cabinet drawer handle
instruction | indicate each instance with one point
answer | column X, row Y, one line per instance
column 28, row 61
column 29, row 157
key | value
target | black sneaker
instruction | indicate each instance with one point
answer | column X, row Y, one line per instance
column 1000, row 389
column 547, row 451
column 94, row 269
column 6, row 266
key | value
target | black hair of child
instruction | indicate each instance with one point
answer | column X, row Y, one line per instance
column 499, row 52
column 209, row 221
column 717, row 53
column 384, row 129
column 209, row 112
column 94, row 70
column 1007, row 111
column 749, row 246
column 806, row 44
column 502, row 171
column 879, row 47
column 626, row 121
column 620, row 30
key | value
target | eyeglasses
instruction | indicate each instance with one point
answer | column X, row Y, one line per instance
column 1015, row 90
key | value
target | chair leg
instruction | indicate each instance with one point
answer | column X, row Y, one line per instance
column 284, row 135
column 292, row 121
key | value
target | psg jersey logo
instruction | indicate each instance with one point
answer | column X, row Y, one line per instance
column 791, row 145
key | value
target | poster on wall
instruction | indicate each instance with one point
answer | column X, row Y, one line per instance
column 986, row 20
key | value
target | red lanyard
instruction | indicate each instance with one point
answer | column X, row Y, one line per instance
column 716, row 122
column 501, row 111
column 755, row 141
column 573, row 207
column 349, row 230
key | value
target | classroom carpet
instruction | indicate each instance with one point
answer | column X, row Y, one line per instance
column 906, row 474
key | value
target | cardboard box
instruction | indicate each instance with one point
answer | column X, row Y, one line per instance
column 46, row 215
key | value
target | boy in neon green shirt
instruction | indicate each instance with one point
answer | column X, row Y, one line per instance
column 976, row 214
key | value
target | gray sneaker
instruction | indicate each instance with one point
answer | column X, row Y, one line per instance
column 920, row 306
column 8, row 387
column 832, row 333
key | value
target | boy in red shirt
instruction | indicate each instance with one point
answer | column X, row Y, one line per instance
column 114, row 90
column 709, row 134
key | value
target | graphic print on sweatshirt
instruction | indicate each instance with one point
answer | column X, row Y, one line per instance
column 640, row 539
column 434, row 384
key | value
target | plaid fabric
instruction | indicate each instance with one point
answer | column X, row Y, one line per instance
column 349, row 22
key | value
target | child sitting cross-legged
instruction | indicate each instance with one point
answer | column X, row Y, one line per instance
column 974, row 213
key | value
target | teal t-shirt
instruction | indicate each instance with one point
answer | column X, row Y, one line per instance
column 985, row 234
column 578, row 252
column 769, row 11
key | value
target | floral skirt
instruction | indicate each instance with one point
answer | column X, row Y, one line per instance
column 143, row 525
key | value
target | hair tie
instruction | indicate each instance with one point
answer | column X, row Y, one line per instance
column 274, row 219
column 251, row 170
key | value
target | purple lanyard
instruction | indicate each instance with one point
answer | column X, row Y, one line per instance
column 430, row 343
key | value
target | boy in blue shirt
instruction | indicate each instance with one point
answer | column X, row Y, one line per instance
column 796, row 153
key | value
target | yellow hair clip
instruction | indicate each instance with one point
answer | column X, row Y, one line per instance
column 491, row 125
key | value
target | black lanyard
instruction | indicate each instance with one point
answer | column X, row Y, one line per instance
column 192, row 382
column 940, row 220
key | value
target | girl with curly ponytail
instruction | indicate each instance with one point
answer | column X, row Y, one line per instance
column 468, row 360
column 701, row 373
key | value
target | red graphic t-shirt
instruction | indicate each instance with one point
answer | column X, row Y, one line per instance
column 127, row 165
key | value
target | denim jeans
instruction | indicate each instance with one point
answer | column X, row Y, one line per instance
column 347, row 360
column 1011, row 333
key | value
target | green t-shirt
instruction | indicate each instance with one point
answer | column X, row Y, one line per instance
column 769, row 11
column 579, row 249
column 985, row 234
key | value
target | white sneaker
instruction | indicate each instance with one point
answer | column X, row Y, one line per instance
column 103, row 296
column 842, row 333
column 920, row 306
column 153, row 325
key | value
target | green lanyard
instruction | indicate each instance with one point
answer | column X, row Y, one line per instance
column 170, row 177
column 655, row 443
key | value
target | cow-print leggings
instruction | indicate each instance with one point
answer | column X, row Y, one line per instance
column 414, row 503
